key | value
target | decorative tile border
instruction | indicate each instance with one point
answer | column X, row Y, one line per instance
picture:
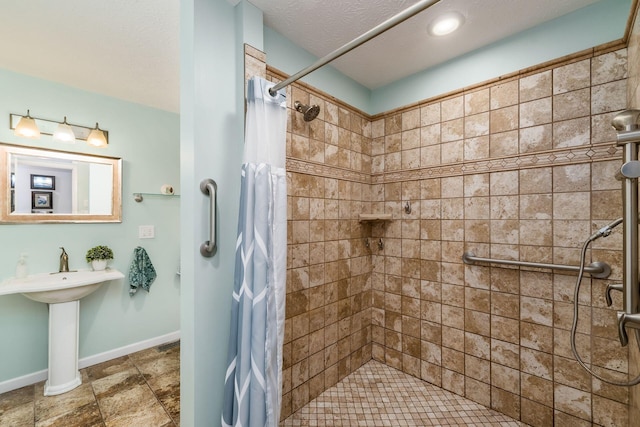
column 573, row 155
column 560, row 157
column 318, row 169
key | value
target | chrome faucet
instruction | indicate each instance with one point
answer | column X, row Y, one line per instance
column 64, row 261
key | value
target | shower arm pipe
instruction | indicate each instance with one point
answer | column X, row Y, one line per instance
column 597, row 269
column 374, row 32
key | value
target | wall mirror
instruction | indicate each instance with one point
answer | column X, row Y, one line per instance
column 45, row 186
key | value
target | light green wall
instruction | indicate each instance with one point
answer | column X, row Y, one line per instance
column 591, row 26
column 286, row 56
column 211, row 134
column 148, row 142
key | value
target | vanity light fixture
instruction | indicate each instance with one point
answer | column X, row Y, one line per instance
column 64, row 133
column 97, row 138
column 27, row 127
column 32, row 127
column 445, row 24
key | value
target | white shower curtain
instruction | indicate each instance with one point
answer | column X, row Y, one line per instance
column 253, row 382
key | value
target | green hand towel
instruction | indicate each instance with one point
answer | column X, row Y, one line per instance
column 141, row 272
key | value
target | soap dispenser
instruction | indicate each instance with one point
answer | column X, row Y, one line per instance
column 21, row 268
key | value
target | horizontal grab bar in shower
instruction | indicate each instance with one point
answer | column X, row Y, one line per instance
column 598, row 269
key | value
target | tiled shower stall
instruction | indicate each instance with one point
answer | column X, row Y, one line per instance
column 521, row 167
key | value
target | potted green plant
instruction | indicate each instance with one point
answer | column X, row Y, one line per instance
column 98, row 257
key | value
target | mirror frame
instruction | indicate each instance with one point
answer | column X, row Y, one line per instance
column 6, row 217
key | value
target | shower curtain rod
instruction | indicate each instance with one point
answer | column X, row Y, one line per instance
column 374, row 32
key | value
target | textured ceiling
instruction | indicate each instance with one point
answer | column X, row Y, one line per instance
column 322, row 26
column 129, row 49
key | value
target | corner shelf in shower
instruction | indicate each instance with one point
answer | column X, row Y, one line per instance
column 366, row 217
column 139, row 197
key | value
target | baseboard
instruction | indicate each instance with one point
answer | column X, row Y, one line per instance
column 36, row 377
column 128, row 349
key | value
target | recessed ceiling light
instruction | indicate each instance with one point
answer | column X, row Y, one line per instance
column 445, row 24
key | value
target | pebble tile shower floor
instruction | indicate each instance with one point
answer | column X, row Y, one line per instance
column 378, row 395
column 138, row 390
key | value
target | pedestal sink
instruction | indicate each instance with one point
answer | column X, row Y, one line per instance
column 62, row 291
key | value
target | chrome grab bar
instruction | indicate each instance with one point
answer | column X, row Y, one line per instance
column 209, row 187
column 598, row 269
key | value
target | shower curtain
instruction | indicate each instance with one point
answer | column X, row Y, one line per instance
column 253, row 381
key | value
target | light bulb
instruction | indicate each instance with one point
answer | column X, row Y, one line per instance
column 27, row 127
column 446, row 24
column 97, row 138
column 64, row 133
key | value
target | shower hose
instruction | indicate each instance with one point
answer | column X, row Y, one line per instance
column 603, row 232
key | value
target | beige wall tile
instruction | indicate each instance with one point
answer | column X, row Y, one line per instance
column 534, row 113
column 505, row 329
column 608, row 97
column 572, row 133
column 536, row 363
column 572, row 76
column 601, row 129
column 504, row 94
column 536, row 138
column 572, row 401
column 570, row 373
column 572, row 104
column 477, row 345
column 575, row 205
column 478, row 391
column 506, row 378
column 476, row 102
column 479, row 369
column 453, row 381
column 609, row 67
column 452, row 108
column 535, row 414
column 505, row 353
column 504, row 183
column 537, row 389
column 476, row 125
column 411, row 119
column 535, row 86
column 504, row 119
column 452, row 130
column 505, row 402
column 430, row 114
column 610, row 413
column 537, row 337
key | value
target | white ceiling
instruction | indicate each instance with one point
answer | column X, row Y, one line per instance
column 129, row 49
column 321, row 26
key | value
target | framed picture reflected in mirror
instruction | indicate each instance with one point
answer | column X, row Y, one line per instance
column 41, row 200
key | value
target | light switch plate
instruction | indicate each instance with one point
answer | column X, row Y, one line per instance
column 146, row 232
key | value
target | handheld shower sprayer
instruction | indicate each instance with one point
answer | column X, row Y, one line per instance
column 602, row 232
column 606, row 230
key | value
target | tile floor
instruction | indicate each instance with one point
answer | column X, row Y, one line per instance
column 141, row 389
column 378, row 395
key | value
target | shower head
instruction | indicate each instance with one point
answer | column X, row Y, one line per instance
column 309, row 112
